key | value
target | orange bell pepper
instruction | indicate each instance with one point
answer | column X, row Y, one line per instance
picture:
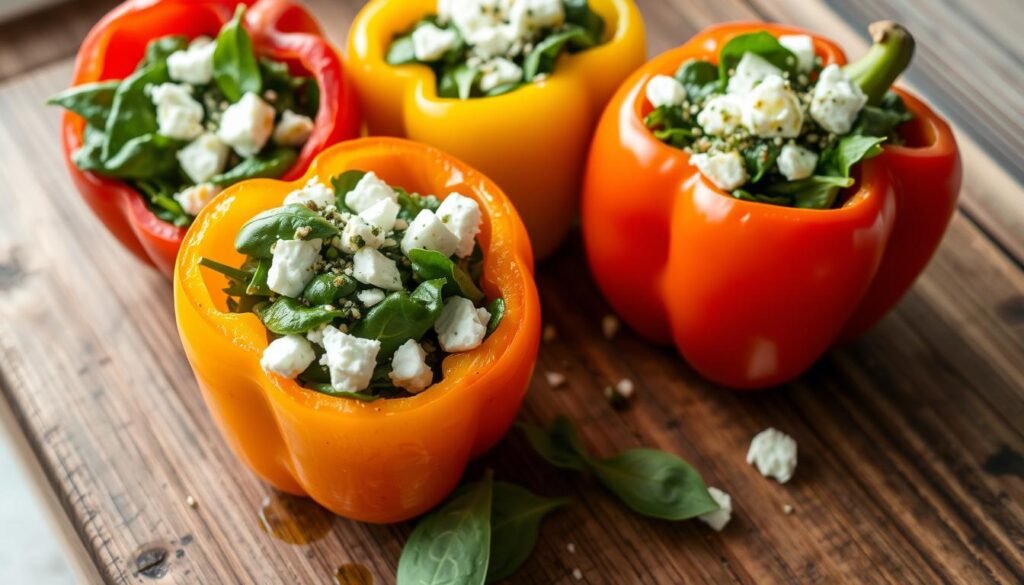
column 381, row 461
column 281, row 30
column 752, row 293
column 532, row 141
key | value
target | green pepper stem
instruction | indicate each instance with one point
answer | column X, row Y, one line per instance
column 887, row 58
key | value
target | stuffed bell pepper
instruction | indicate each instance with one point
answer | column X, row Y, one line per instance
column 173, row 101
column 754, row 199
column 360, row 333
column 514, row 87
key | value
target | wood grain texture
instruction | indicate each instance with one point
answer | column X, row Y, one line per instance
column 911, row 448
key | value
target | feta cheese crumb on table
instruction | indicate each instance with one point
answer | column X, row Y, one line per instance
column 430, row 43
column 195, row 198
column 836, row 101
column 291, row 266
column 555, row 379
column 461, row 215
column 459, row 327
column 246, row 125
column 409, row 369
column 726, row 170
column 193, row 65
column 368, row 191
column 314, row 192
column 178, row 114
column 773, row 453
column 203, row 158
column 292, row 129
column 427, row 231
column 720, row 517
column 349, row 359
column 288, row 356
column 375, row 269
column 664, row 90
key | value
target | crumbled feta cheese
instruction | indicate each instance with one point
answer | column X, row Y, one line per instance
column 774, row 454
column 428, row 232
column 664, row 90
column 536, row 14
column 314, row 192
column 203, row 158
column 555, row 379
column 751, row 69
column 772, row 109
column 375, row 269
column 291, row 266
column 483, row 315
column 430, row 43
column 369, row 190
column 288, row 356
column 178, row 115
column 194, row 65
column 195, row 198
column 721, row 115
column 359, row 233
column 409, row 368
column 316, row 335
column 470, row 16
column 498, row 72
column 720, row 517
column 381, row 214
column 370, row 296
column 803, row 47
column 491, row 41
column 459, row 327
column 246, row 126
column 796, row 162
column 349, row 359
column 726, row 170
column 461, row 215
column 292, row 129
column 836, row 101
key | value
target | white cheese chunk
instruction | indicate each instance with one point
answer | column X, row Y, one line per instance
column 370, row 296
column 430, row 43
column 291, row 266
column 288, row 356
column 459, row 327
column 774, row 454
column 772, row 109
column 369, row 190
column 491, row 41
column 803, row 47
column 194, row 65
column 721, row 115
column 381, row 214
column 349, row 359
column 836, row 101
column 246, row 126
column 428, row 232
column 531, row 15
column 195, row 198
column 751, row 69
column 359, row 233
column 292, row 129
column 316, row 335
column 375, row 269
column 498, row 72
column 461, row 215
column 726, row 170
column 409, row 368
column 796, row 162
column 203, row 158
column 470, row 16
column 720, row 517
column 314, row 192
column 664, row 90
column 178, row 114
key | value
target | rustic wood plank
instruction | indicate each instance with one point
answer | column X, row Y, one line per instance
column 908, row 438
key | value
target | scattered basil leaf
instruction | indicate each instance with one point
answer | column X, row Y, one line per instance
column 430, row 265
column 542, row 58
column 402, row 316
column 516, row 514
column 497, row 310
column 762, row 44
column 258, row 284
column 559, row 444
column 451, row 545
column 235, row 69
column 286, row 316
column 261, row 232
column 656, row 484
column 325, row 289
column 700, row 78
column 92, row 101
column 268, row 165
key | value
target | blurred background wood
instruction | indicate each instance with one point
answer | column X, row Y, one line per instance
column 911, row 465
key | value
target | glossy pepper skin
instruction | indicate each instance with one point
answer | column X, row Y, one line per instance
column 381, row 461
column 280, row 29
column 752, row 294
column 533, row 141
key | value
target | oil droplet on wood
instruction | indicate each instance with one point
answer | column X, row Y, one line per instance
column 353, row 574
column 293, row 519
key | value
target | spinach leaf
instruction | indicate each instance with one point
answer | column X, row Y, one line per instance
column 578, row 12
column 269, row 165
column 231, row 272
column 258, row 284
column 401, row 51
column 656, row 484
column 326, row 388
column 497, row 310
column 158, row 193
column 700, row 78
column 430, row 265
column 402, row 316
column 850, row 150
column 882, row 120
column 143, row 157
column 286, row 316
column 411, row 206
column 158, row 50
column 325, row 289
column 92, row 101
column 814, row 192
column 458, row 82
column 759, row 159
column 132, row 114
column 235, row 69
column 761, row 198
column 559, row 444
column 453, row 543
column 516, row 514
column 542, row 58
column 344, row 184
column 762, row 44
column 259, row 233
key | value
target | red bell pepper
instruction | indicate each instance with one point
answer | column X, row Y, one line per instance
column 280, row 29
column 751, row 293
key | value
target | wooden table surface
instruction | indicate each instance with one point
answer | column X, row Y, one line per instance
column 911, row 453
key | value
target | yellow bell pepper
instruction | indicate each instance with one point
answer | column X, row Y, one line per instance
column 532, row 141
